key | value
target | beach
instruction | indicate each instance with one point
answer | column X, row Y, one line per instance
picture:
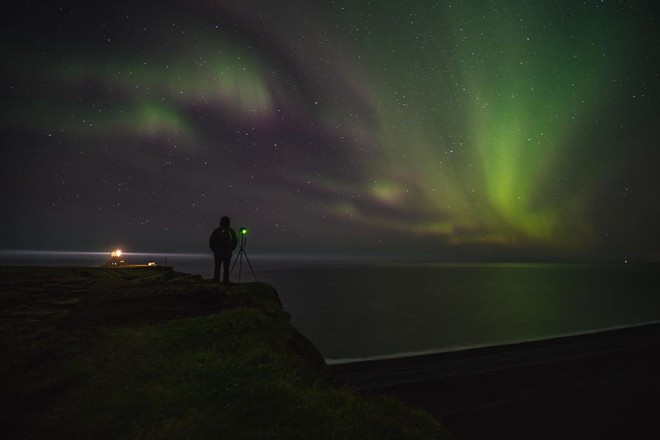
column 599, row 385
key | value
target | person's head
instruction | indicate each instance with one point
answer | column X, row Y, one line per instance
column 224, row 222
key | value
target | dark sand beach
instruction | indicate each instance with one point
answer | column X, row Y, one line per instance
column 599, row 385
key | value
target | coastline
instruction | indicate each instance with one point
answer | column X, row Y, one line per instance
column 420, row 356
column 596, row 385
column 148, row 352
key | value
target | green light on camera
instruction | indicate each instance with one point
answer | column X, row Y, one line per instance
column 243, row 231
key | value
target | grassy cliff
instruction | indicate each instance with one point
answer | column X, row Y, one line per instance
column 151, row 353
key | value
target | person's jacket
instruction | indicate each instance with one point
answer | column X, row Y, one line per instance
column 223, row 241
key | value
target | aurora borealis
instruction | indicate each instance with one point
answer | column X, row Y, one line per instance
column 449, row 129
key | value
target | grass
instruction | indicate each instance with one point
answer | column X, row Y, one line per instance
column 154, row 354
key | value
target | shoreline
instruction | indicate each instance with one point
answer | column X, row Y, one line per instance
column 516, row 352
column 477, row 348
column 598, row 385
column 148, row 352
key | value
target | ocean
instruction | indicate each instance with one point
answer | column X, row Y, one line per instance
column 358, row 311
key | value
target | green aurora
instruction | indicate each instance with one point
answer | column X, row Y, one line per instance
column 459, row 123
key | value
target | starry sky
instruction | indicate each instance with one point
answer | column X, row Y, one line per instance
column 448, row 130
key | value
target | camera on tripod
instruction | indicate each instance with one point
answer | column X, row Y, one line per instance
column 242, row 233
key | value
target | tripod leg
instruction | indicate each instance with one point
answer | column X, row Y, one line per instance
column 239, row 260
column 240, row 265
column 234, row 265
column 251, row 270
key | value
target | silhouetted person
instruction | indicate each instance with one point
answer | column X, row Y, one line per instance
column 222, row 242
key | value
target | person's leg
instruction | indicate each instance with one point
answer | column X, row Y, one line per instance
column 216, row 267
column 225, row 272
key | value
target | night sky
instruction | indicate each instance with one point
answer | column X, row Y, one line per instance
column 449, row 130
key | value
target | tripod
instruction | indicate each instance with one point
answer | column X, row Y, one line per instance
column 241, row 253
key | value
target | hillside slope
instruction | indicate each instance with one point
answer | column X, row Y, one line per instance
column 151, row 353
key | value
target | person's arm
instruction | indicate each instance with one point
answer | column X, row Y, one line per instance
column 212, row 240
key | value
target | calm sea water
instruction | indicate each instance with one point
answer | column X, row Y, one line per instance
column 363, row 311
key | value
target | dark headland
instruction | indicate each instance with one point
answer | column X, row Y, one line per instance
column 150, row 353
column 153, row 353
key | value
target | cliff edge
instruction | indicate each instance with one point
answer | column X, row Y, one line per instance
column 153, row 353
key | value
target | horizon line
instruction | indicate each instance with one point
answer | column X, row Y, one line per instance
column 320, row 257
